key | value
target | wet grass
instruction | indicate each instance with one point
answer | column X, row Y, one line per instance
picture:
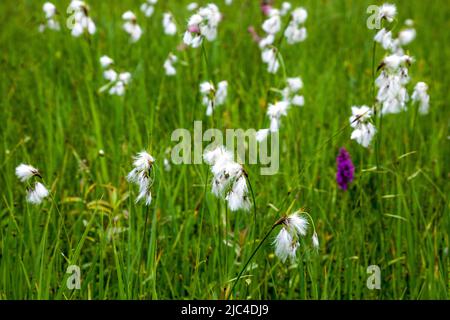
column 395, row 216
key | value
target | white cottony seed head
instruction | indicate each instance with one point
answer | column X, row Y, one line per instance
column 315, row 241
column 37, row 194
column 106, row 61
column 420, row 95
column 387, row 11
column 141, row 176
column 170, row 28
column 296, row 224
column 285, row 245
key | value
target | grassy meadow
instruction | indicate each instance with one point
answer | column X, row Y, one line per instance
column 186, row 244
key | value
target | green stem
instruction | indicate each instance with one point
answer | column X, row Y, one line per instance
column 283, row 66
column 255, row 221
column 249, row 259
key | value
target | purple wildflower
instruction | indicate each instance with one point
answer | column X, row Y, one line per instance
column 254, row 34
column 345, row 169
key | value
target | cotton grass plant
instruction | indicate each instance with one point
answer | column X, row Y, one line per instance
column 153, row 229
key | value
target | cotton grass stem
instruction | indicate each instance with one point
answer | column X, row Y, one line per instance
column 253, row 199
column 205, row 57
